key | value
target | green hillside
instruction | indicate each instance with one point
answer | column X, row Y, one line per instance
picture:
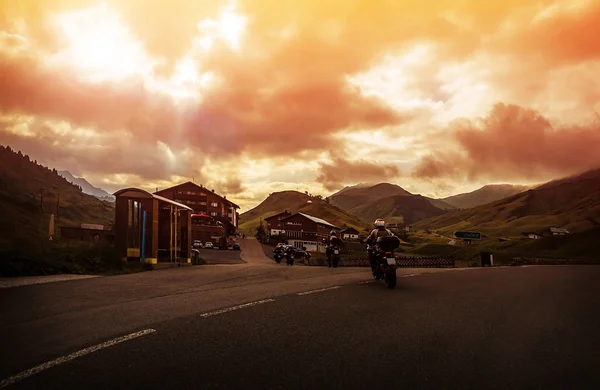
column 23, row 226
column 573, row 203
column 387, row 201
column 484, row 195
column 294, row 201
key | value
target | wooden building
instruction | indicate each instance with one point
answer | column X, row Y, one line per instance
column 87, row 233
column 349, row 234
column 204, row 201
column 306, row 231
column 275, row 225
column 167, row 230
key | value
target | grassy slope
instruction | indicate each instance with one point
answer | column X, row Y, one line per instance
column 484, row 195
column 294, row 201
column 20, row 217
column 574, row 205
column 387, row 201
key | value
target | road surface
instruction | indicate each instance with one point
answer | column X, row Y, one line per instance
column 261, row 325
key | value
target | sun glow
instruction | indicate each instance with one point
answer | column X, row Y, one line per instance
column 99, row 47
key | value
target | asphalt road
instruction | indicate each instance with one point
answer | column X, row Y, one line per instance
column 518, row 327
column 216, row 256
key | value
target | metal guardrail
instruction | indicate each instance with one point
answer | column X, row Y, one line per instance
column 551, row 261
column 402, row 262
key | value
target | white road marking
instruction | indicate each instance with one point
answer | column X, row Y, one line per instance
column 366, row 282
column 408, row 276
column 228, row 309
column 36, row 370
column 319, row 290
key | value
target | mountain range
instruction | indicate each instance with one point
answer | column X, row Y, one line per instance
column 294, row 201
column 484, row 195
column 572, row 203
column 87, row 187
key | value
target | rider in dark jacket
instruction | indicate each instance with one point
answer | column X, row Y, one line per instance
column 379, row 231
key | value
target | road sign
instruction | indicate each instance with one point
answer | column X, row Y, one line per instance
column 468, row 235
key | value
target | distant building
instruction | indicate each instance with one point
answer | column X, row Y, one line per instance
column 274, row 225
column 88, row 233
column 306, row 231
column 532, row 235
column 558, row 231
column 350, row 234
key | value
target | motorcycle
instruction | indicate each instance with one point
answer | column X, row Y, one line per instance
column 278, row 255
column 334, row 254
column 383, row 254
column 290, row 257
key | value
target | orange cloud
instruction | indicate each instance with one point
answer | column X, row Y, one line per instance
column 339, row 172
column 512, row 143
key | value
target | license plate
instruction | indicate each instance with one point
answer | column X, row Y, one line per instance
column 391, row 261
column 336, row 252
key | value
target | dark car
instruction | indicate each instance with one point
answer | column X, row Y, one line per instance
column 299, row 252
column 236, row 247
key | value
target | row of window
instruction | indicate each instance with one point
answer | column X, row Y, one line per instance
column 193, row 193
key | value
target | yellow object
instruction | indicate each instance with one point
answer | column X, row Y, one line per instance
column 189, row 260
column 133, row 252
column 150, row 260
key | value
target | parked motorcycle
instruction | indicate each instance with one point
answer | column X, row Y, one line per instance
column 383, row 253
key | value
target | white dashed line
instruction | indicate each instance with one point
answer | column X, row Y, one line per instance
column 228, row 309
column 319, row 290
column 367, row 282
column 36, row 370
column 408, row 276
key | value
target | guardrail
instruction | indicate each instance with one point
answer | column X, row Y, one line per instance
column 551, row 261
column 402, row 262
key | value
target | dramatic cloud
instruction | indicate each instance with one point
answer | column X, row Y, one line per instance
column 341, row 172
column 513, row 142
column 151, row 91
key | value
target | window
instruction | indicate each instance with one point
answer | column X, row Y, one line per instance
column 214, row 204
column 213, row 214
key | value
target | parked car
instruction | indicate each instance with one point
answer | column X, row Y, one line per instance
column 209, row 245
column 197, row 244
column 300, row 253
column 236, row 247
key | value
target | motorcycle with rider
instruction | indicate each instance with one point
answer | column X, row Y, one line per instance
column 381, row 245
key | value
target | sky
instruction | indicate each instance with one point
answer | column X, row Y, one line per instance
column 254, row 96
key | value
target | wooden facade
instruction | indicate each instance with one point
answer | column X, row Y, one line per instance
column 306, row 231
column 204, row 201
column 168, row 227
column 274, row 223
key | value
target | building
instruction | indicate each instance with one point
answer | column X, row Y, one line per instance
column 87, row 233
column 306, row 231
column 558, row 231
column 151, row 227
column 349, row 234
column 532, row 235
column 204, row 201
column 205, row 229
column 274, row 224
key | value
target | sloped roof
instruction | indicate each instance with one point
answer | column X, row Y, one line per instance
column 350, row 229
column 202, row 188
column 278, row 214
column 317, row 220
column 145, row 194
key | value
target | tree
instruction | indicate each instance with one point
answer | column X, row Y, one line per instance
column 260, row 232
column 320, row 197
column 327, row 200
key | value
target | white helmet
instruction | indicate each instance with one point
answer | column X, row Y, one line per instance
column 379, row 223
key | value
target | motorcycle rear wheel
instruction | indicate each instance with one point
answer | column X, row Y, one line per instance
column 390, row 277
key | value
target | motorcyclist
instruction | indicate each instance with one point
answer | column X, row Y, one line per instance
column 329, row 246
column 379, row 231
